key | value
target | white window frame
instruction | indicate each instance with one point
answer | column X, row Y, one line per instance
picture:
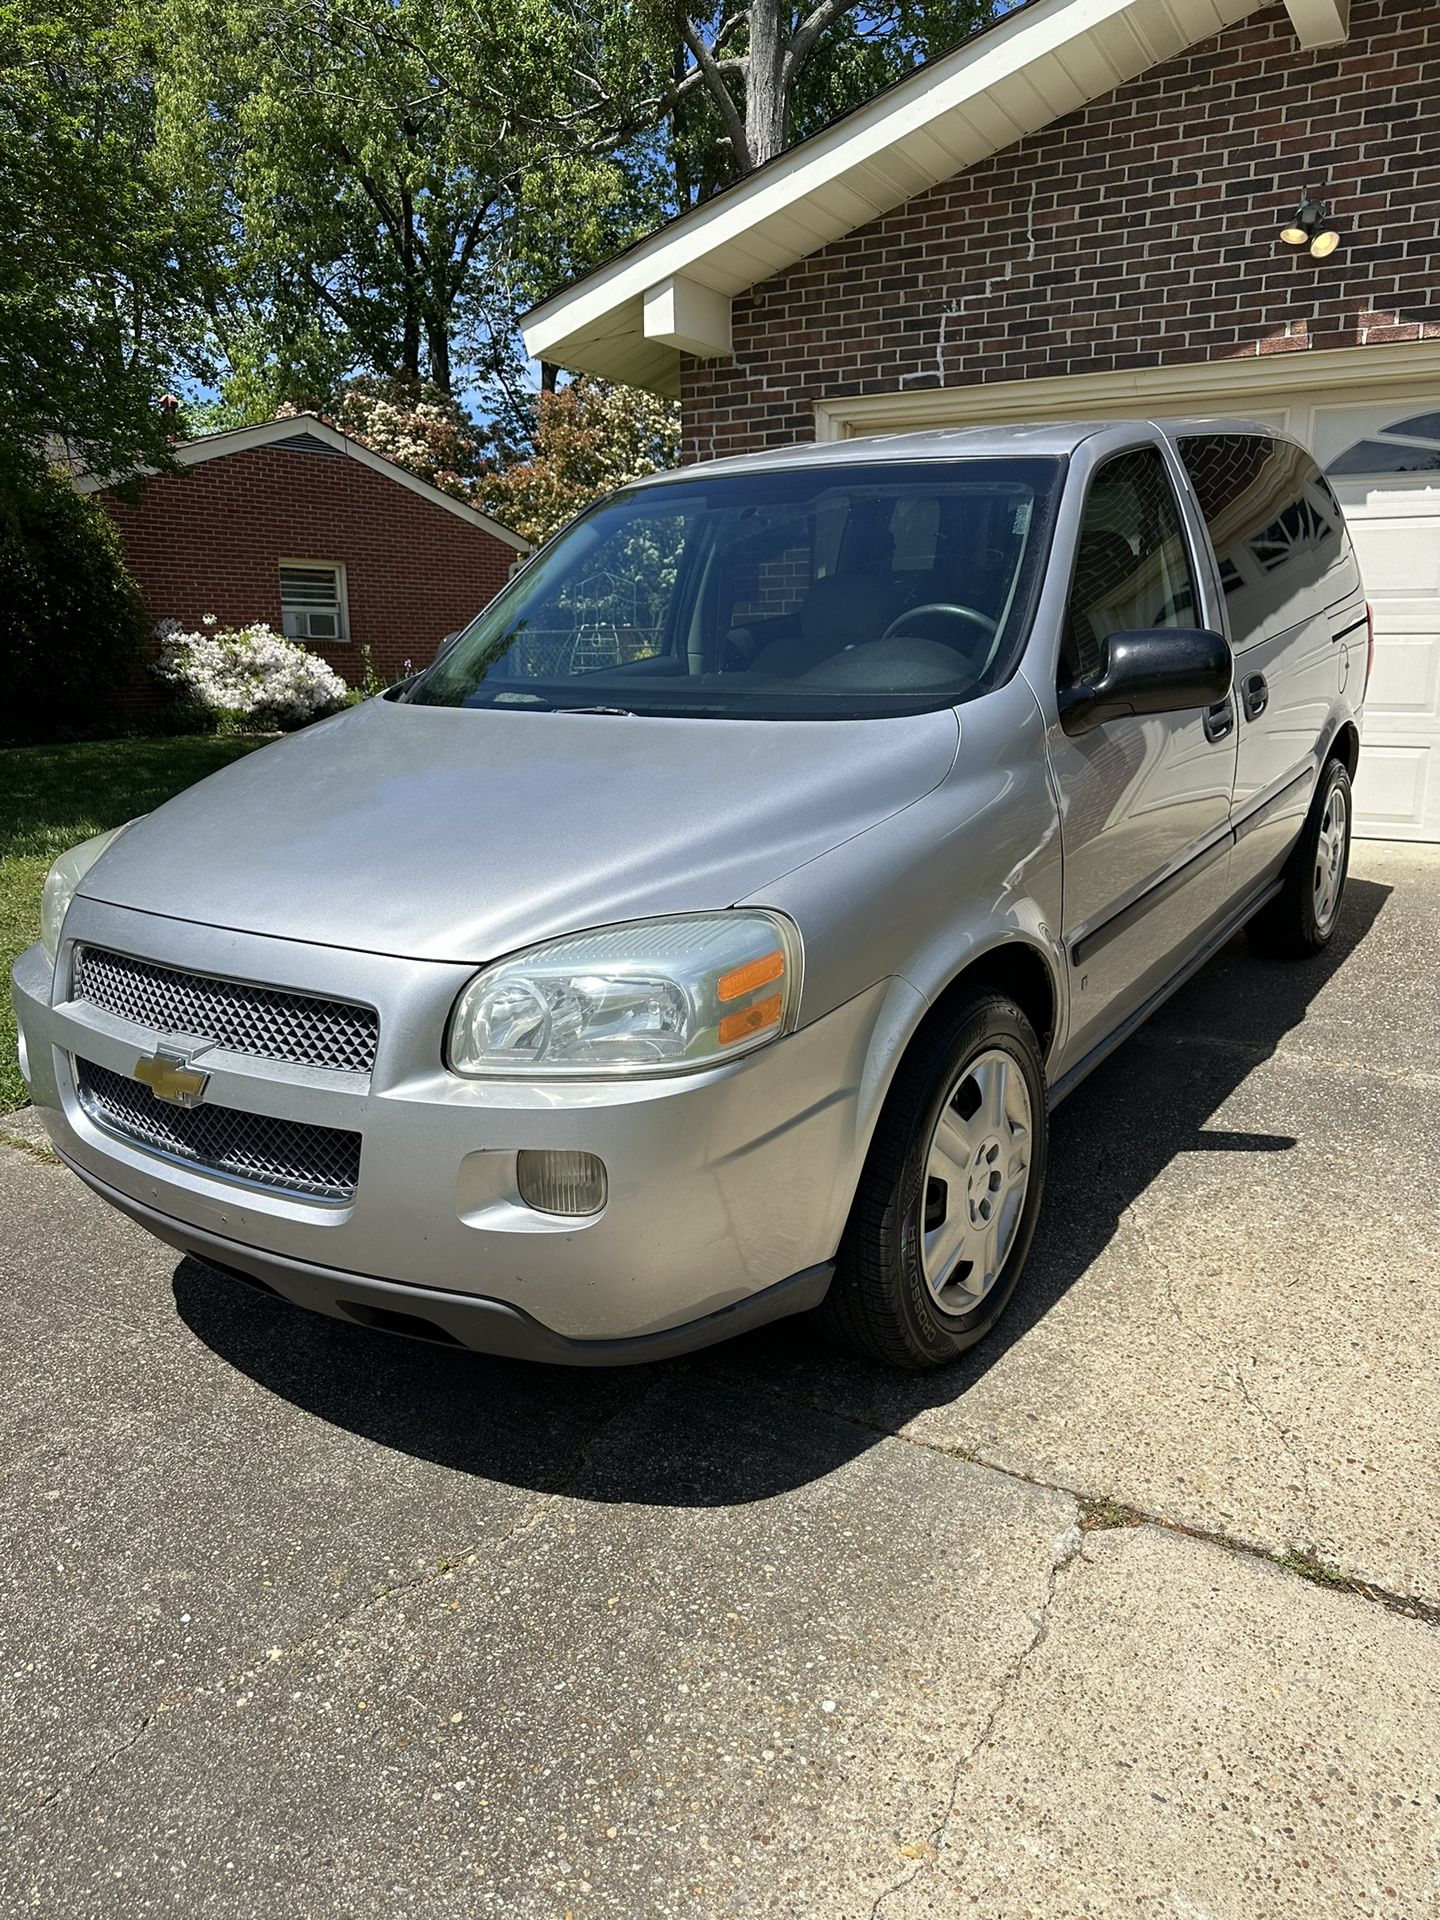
column 342, row 600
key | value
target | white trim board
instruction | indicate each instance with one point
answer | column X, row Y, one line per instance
column 1366, row 375
column 215, row 446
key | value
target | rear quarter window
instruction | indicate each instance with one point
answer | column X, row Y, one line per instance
column 1279, row 535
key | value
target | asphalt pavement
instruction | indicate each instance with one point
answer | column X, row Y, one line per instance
column 1135, row 1612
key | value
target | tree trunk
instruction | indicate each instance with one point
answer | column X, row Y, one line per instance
column 549, row 375
column 410, row 340
column 410, row 335
column 437, row 348
column 767, row 111
column 684, row 188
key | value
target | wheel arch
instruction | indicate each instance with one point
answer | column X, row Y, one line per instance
column 1345, row 747
column 1017, row 968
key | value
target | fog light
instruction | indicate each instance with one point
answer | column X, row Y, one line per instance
column 561, row 1182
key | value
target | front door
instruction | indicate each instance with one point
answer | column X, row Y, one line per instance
column 1144, row 801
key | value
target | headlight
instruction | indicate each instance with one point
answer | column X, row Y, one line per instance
column 62, row 880
column 647, row 996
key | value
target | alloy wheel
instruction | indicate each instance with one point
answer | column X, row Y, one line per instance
column 1330, row 858
column 977, row 1173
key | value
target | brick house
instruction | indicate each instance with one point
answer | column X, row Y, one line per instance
column 296, row 524
column 1078, row 213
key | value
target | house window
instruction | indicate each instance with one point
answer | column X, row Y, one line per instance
column 312, row 601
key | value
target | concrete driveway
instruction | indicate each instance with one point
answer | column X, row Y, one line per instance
column 1137, row 1612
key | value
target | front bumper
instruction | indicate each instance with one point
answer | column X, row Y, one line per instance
column 726, row 1187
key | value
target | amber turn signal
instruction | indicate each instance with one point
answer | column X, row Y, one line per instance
column 751, row 1020
column 755, row 973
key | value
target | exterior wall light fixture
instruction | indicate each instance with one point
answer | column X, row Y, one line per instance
column 1311, row 228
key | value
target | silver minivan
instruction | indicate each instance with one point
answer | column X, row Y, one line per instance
column 706, row 936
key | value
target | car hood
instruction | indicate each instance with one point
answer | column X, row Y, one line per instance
column 446, row 834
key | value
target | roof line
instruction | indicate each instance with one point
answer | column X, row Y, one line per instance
column 228, row 440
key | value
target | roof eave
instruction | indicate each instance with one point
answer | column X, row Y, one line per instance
column 1034, row 65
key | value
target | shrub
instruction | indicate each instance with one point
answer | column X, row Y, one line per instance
column 72, row 629
column 249, row 675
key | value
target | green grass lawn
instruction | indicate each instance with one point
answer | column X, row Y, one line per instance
column 50, row 797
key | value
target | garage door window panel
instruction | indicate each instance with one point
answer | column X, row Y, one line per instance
column 1411, row 446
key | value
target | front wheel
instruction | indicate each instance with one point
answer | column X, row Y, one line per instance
column 946, row 1206
column 1304, row 914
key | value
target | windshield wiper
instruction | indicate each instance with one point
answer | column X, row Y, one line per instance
column 627, row 712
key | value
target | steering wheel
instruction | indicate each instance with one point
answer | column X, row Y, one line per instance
column 898, row 625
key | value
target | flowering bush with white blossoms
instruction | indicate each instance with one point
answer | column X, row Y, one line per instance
column 250, row 673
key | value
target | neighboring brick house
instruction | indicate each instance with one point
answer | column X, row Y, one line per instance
column 296, row 524
column 1077, row 214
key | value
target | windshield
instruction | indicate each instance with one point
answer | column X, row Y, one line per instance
column 815, row 593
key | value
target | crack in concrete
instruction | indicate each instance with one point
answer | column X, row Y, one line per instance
column 1066, row 1550
column 467, row 1556
column 17, row 1143
column 1231, row 1368
column 1303, row 1564
column 97, row 1766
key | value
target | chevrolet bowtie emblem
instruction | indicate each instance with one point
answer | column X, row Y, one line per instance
column 171, row 1077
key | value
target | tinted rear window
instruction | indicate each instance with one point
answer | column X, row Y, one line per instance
column 1277, row 529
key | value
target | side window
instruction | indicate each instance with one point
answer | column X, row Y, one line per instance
column 1276, row 528
column 1132, row 569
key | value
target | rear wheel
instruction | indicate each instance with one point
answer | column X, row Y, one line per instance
column 946, row 1206
column 1304, row 914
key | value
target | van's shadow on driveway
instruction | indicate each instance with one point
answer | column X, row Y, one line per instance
column 695, row 1442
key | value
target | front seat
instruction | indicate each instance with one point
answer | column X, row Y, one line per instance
column 841, row 610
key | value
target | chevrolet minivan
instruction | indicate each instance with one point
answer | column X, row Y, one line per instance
column 707, row 934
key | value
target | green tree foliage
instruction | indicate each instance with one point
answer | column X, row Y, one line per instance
column 588, row 439
column 388, row 201
column 285, row 197
column 98, row 265
column 735, row 82
column 72, row 630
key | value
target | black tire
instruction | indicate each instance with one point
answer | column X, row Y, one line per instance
column 1291, row 927
column 879, row 1303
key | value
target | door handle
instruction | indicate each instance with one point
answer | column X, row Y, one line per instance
column 1219, row 719
column 1256, row 695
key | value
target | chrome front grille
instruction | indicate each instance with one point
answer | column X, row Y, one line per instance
column 268, row 1022
column 313, row 1162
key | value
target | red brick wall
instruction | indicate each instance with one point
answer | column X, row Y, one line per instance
column 210, row 540
column 1138, row 231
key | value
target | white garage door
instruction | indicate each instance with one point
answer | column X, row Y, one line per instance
column 1384, row 464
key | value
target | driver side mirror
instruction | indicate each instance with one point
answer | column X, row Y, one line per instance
column 1157, row 670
